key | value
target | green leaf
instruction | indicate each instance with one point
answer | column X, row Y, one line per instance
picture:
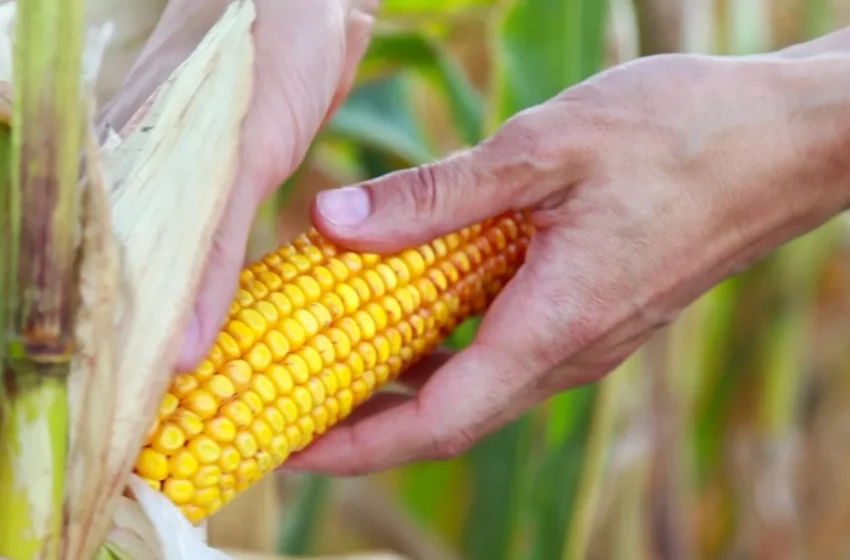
column 379, row 115
column 301, row 524
column 433, row 62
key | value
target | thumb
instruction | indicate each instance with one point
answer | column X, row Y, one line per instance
column 406, row 208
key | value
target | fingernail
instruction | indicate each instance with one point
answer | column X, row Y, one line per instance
column 346, row 206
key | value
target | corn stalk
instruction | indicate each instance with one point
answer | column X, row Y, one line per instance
column 39, row 287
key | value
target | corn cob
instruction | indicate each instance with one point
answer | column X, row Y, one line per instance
column 314, row 331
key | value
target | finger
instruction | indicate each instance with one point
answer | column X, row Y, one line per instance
column 518, row 167
column 361, row 20
column 220, row 280
column 478, row 390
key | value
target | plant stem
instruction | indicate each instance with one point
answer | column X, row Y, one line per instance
column 39, row 272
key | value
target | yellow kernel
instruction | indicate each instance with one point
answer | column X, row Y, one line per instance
column 313, row 254
column 213, row 506
column 297, row 368
column 295, row 295
column 220, row 428
column 333, row 410
column 387, row 276
column 309, row 287
column 229, row 493
column 256, row 269
column 268, row 311
column 207, row 476
column 323, row 278
column 392, row 309
column 440, row 248
column 227, row 482
column 312, row 358
column 379, row 316
column 178, row 491
column 338, row 269
column 400, row 269
column 302, row 399
column 155, row 484
column 293, row 331
column 361, row 288
column 169, row 439
column 204, row 449
column 333, row 305
column 369, row 355
column 427, row 254
column 253, row 400
column 382, row 373
column 264, row 388
column 366, row 323
column 248, row 471
column 193, row 513
column 329, row 380
column 262, row 433
column 348, row 296
column 287, row 408
column 394, row 340
column 307, row 427
column 426, row 289
column 349, row 326
column 216, row 356
column 317, row 390
column 228, row 345
column 257, row 289
column 241, row 333
column 376, row 285
column 168, row 404
column 307, row 322
column 183, row 464
column 406, row 299
column 281, row 303
column 189, row 422
column 230, row 459
column 342, row 373
column 439, row 279
column 152, row 464
column 293, row 438
column 239, row 372
column 340, row 345
column 382, row 348
column 206, row 496
column 355, row 364
column 244, row 297
column 274, row 419
column 352, row 262
column 237, row 412
column 320, row 418
column 271, row 280
column 279, row 447
column 345, row 398
column 259, row 357
column 183, row 384
column 220, row 387
column 414, row 261
column 201, row 403
column 246, row 444
column 277, row 344
column 281, row 379
column 323, row 345
column 320, row 313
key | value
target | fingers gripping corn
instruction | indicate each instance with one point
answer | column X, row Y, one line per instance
column 312, row 333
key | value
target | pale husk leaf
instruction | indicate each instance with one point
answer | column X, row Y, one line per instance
column 169, row 180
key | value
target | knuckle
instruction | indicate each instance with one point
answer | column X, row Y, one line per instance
column 451, row 445
column 423, row 192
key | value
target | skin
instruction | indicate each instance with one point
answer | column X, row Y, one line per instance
column 649, row 184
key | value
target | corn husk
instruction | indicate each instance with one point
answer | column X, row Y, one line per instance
column 152, row 196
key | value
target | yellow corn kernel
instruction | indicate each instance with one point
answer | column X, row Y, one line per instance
column 312, row 332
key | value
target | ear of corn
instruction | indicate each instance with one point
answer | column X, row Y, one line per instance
column 313, row 332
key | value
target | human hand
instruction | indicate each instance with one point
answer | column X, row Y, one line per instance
column 307, row 54
column 649, row 184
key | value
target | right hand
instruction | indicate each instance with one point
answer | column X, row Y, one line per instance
column 649, row 183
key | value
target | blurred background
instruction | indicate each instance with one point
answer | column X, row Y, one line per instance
column 726, row 437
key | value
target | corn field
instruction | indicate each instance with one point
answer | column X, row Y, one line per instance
column 724, row 437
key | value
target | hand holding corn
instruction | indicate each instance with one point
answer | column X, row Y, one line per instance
column 580, row 227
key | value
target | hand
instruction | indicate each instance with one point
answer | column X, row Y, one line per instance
column 307, row 54
column 649, row 184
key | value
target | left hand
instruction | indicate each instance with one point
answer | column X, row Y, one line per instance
column 307, row 54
